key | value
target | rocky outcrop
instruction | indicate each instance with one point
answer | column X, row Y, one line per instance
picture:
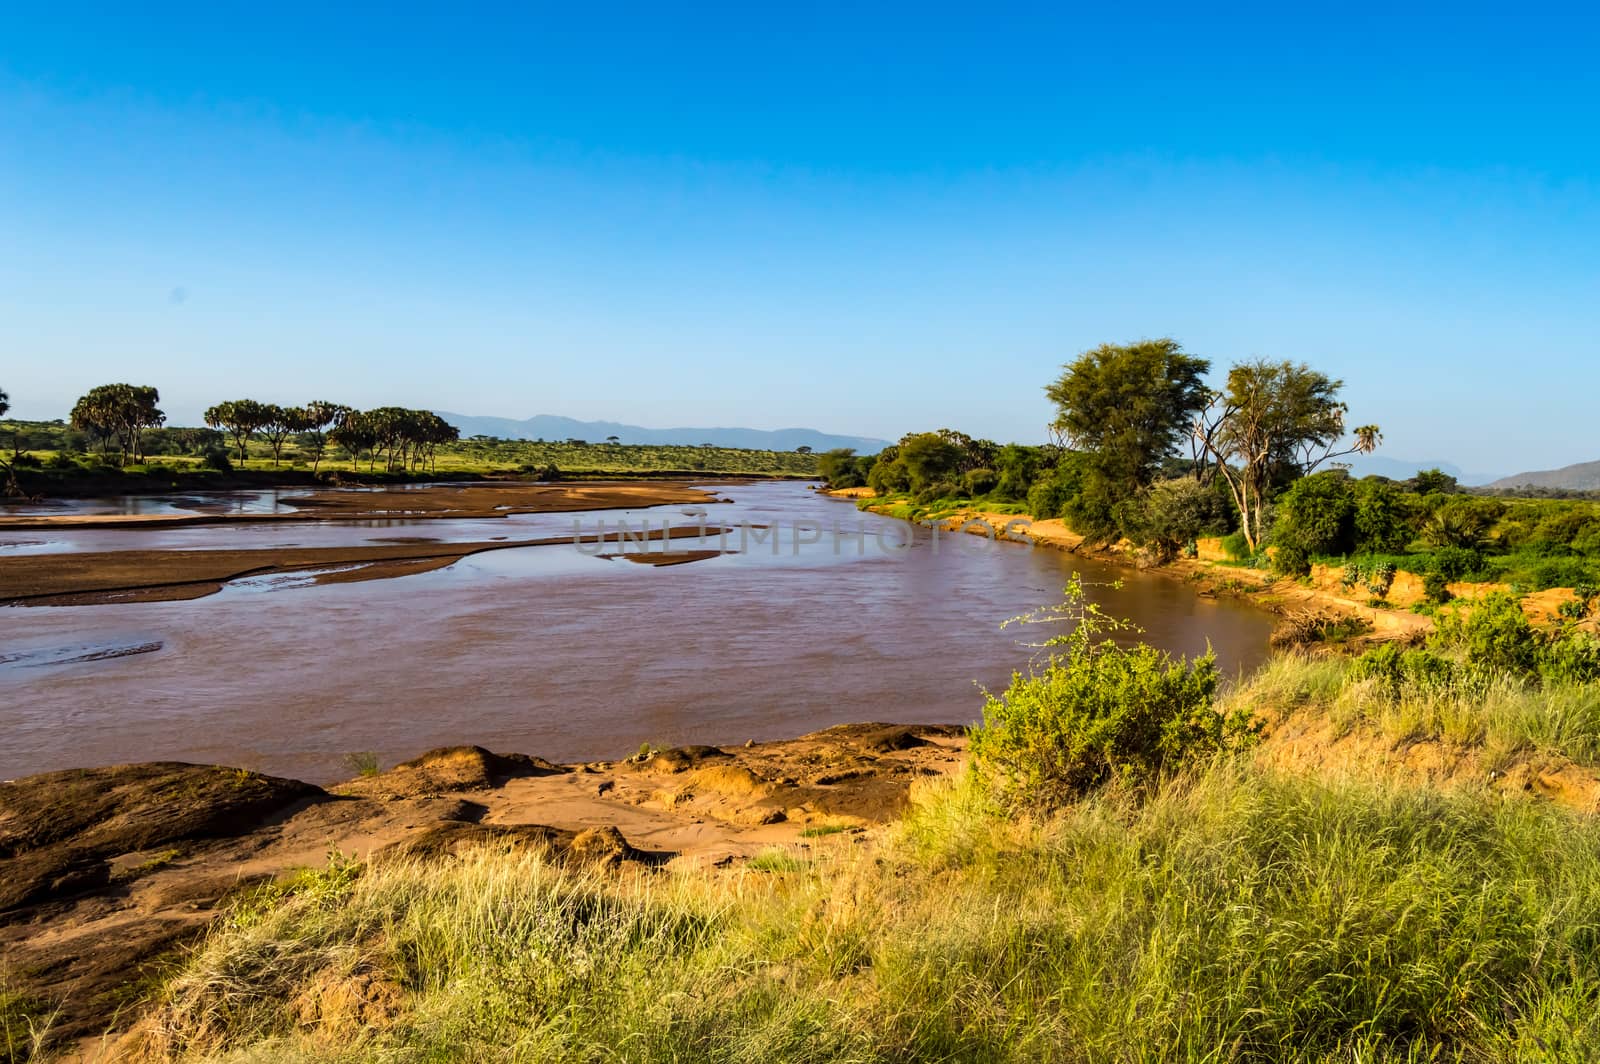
column 107, row 874
column 447, row 769
column 61, row 831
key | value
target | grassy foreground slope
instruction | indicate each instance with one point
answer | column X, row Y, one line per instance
column 1130, row 871
column 1239, row 915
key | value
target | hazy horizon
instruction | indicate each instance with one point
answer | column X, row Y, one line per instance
column 865, row 222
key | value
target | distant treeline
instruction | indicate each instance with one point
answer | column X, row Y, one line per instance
column 121, row 427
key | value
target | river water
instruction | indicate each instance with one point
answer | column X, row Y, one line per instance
column 549, row 650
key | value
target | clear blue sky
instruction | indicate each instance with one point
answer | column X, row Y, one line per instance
column 860, row 218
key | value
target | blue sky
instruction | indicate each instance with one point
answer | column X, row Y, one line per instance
column 862, row 218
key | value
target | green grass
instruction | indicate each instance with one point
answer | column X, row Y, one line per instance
column 24, row 1026
column 904, row 508
column 1238, row 915
column 466, row 457
column 364, row 763
column 818, row 831
column 1505, row 716
column 777, row 860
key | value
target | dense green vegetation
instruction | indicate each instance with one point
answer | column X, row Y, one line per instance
column 1254, row 473
column 118, row 432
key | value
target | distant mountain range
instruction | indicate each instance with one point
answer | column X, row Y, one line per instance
column 551, row 427
column 1403, row 469
column 1584, row 476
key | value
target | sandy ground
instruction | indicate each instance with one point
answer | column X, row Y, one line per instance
column 437, row 501
column 107, row 874
column 93, row 578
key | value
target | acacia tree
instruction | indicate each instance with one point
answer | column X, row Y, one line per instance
column 1123, row 408
column 120, row 411
column 1274, row 416
column 12, row 487
column 314, row 420
column 1129, row 405
column 277, row 423
column 353, row 431
column 240, row 418
column 90, row 415
column 928, row 459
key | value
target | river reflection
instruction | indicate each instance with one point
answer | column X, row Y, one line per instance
column 550, row 651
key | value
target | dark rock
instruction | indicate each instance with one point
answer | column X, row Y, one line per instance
column 58, row 830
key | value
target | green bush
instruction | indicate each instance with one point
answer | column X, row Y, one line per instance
column 1236, row 547
column 1436, row 586
column 1565, row 526
column 1291, row 559
column 980, row 481
column 889, row 477
column 1382, row 521
column 1581, row 604
column 1316, row 516
column 1494, row 635
column 1092, row 510
column 1570, row 657
column 1380, row 578
column 1170, row 516
column 1455, row 563
column 938, row 491
column 216, row 458
column 1099, row 712
column 1018, row 466
column 1395, row 668
column 1561, row 572
column 839, row 469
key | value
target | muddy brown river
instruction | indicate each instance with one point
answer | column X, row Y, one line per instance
column 550, row 650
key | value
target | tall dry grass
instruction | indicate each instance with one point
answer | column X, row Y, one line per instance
column 1235, row 915
column 1506, row 716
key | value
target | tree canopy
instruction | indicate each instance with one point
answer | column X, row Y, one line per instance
column 1129, row 405
column 1272, row 417
column 240, row 418
column 121, row 412
column 1124, row 408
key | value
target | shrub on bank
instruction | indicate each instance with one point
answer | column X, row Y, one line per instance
column 1097, row 712
column 980, row 482
column 1488, row 641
